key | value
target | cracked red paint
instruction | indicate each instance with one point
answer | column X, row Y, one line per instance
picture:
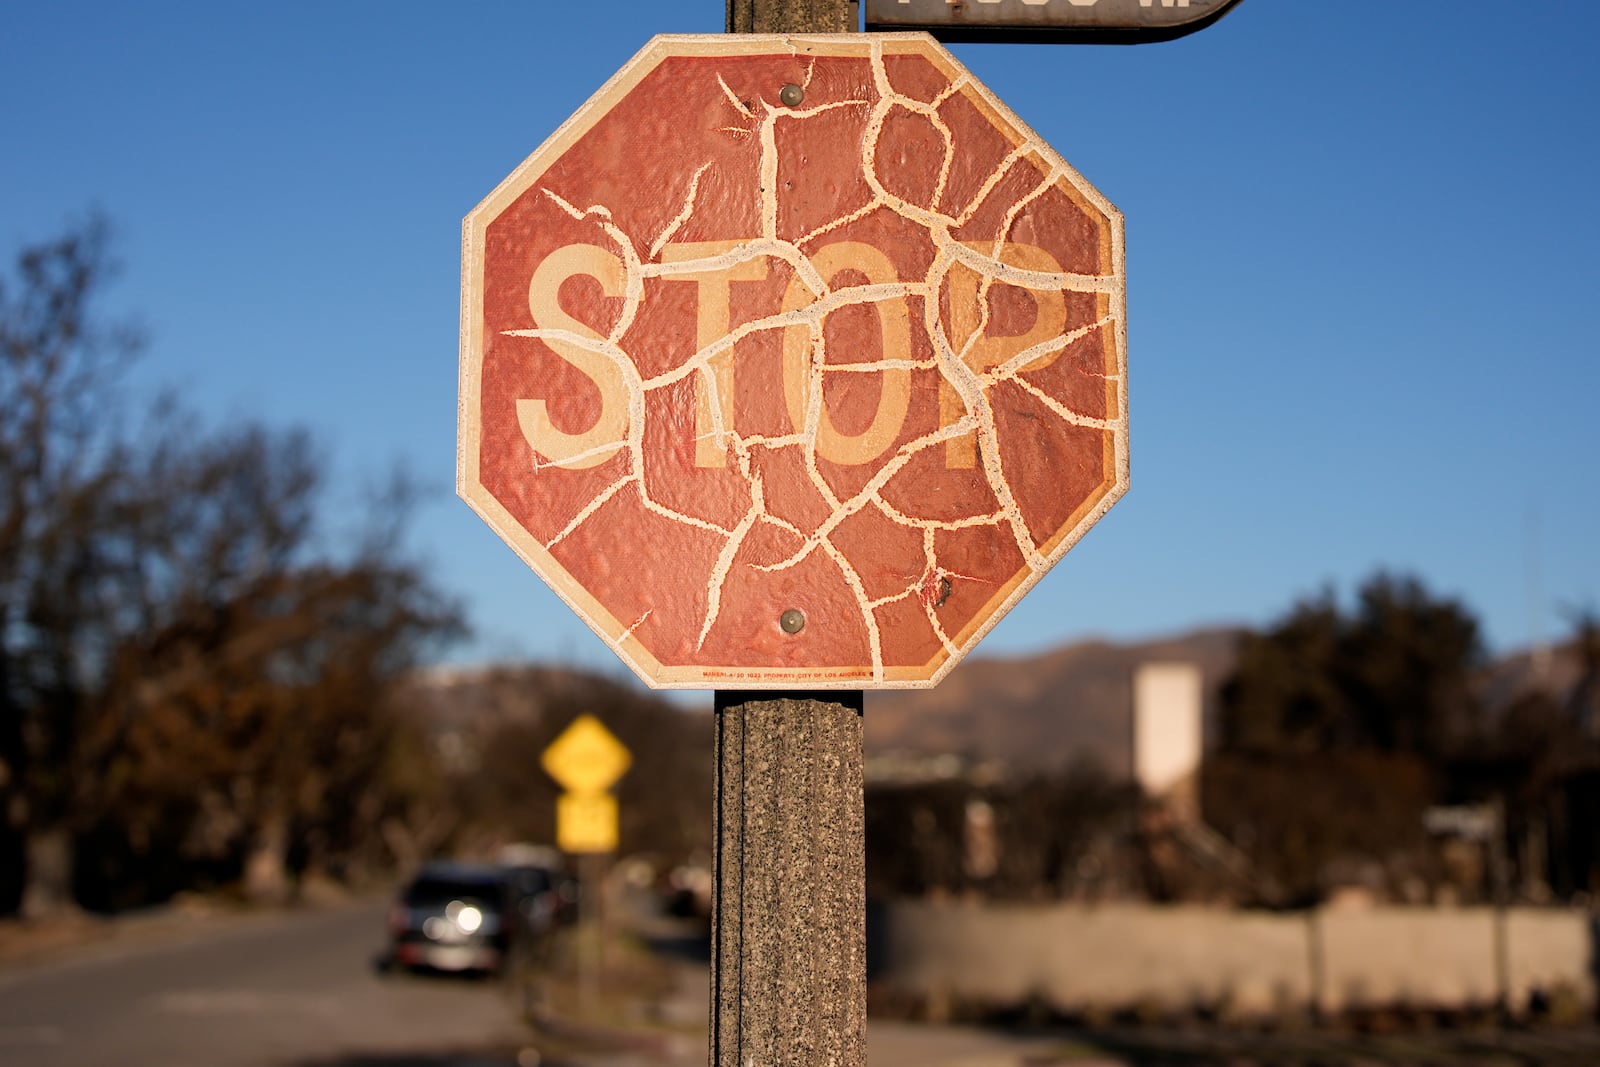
column 860, row 357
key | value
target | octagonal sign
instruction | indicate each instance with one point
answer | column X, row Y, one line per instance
column 793, row 362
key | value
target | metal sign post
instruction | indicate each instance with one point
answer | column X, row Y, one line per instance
column 587, row 759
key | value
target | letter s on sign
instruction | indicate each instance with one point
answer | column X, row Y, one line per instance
column 602, row 440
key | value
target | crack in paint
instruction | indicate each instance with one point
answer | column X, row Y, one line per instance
column 932, row 584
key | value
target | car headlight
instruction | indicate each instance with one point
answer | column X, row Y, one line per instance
column 466, row 917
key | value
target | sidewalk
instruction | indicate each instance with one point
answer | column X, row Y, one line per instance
column 74, row 934
column 673, row 1034
column 669, row 1030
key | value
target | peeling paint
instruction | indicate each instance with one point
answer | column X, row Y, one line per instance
column 894, row 404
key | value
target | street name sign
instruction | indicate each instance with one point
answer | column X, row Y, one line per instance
column 793, row 362
column 1091, row 21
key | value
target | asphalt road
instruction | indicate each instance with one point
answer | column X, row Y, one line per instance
column 299, row 990
column 288, row 990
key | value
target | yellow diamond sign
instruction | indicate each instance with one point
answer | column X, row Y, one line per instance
column 587, row 757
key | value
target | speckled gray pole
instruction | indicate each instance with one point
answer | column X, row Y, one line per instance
column 792, row 16
column 788, row 941
column 788, row 926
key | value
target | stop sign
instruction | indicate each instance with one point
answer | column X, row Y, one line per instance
column 792, row 362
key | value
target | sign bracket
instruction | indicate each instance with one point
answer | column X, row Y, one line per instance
column 1051, row 22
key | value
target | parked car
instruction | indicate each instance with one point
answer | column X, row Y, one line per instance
column 546, row 897
column 454, row 917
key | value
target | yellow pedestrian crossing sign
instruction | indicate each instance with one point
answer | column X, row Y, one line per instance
column 586, row 758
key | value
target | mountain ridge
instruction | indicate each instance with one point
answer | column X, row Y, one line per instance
column 1043, row 712
column 1029, row 714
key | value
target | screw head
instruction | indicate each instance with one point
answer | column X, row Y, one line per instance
column 792, row 621
column 791, row 95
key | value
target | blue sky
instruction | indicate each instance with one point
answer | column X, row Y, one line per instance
column 1362, row 255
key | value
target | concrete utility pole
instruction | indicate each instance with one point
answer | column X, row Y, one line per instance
column 793, row 16
column 789, row 961
column 788, row 940
column 788, row 949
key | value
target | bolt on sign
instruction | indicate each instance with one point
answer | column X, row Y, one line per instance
column 793, row 362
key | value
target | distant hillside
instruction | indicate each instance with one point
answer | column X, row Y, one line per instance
column 1556, row 669
column 461, row 697
column 1033, row 713
column 1041, row 712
